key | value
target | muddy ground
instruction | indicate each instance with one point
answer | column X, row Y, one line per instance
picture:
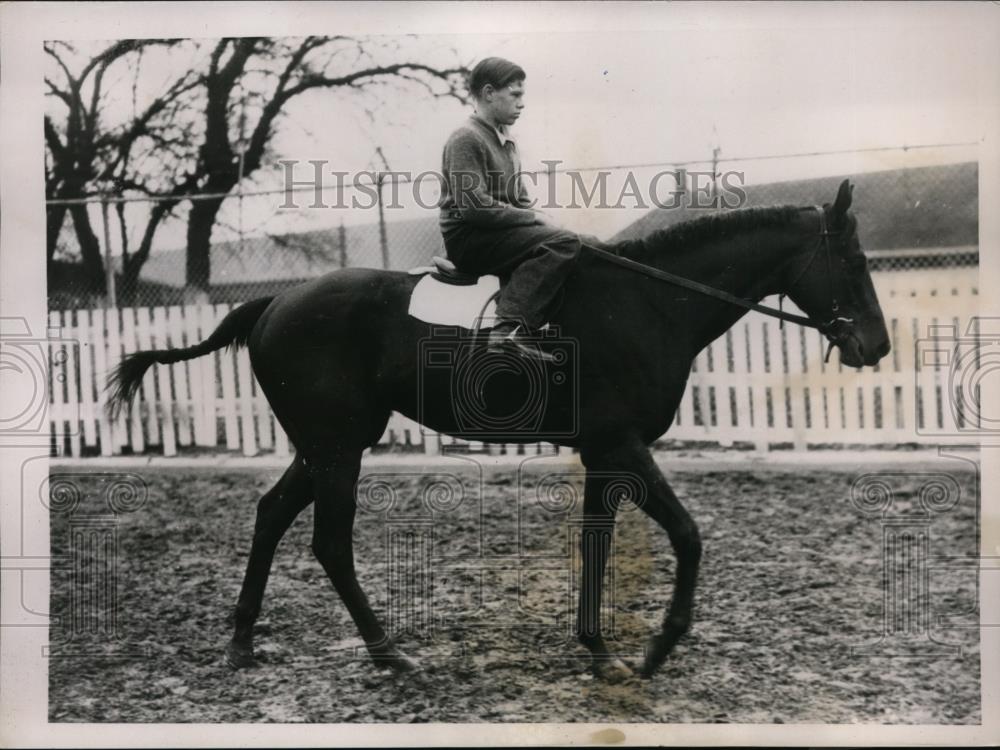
column 479, row 586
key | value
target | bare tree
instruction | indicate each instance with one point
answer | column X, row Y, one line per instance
column 208, row 128
column 86, row 156
column 153, row 157
column 248, row 83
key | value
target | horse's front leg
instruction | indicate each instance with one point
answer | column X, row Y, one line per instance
column 662, row 505
column 600, row 505
column 333, row 544
column 633, row 463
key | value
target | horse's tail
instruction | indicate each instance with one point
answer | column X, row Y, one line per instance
column 234, row 330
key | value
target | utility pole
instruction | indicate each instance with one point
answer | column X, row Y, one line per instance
column 111, row 296
column 681, row 176
column 716, row 150
column 383, row 240
column 242, row 156
column 715, row 174
column 342, row 244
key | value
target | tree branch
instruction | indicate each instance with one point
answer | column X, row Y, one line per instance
column 59, row 93
column 121, row 48
column 321, row 81
column 65, row 68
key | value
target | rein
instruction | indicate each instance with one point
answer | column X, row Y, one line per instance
column 836, row 329
column 709, row 291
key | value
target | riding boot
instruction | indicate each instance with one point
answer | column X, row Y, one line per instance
column 508, row 335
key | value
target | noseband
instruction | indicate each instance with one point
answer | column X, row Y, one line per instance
column 837, row 329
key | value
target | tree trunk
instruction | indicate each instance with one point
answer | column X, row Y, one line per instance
column 90, row 249
column 128, row 285
column 132, row 264
column 201, row 220
column 54, row 217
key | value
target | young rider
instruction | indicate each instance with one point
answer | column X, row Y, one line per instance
column 485, row 215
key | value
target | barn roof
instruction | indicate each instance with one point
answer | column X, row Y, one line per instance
column 923, row 207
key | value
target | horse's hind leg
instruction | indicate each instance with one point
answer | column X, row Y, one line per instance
column 334, row 489
column 276, row 511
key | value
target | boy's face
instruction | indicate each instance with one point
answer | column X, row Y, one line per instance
column 504, row 105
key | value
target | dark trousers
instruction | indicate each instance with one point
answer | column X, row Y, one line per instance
column 532, row 262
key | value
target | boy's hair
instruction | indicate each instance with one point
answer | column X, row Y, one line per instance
column 495, row 71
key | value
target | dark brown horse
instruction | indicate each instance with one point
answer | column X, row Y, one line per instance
column 335, row 356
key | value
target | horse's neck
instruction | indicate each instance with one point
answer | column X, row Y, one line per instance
column 748, row 265
column 754, row 265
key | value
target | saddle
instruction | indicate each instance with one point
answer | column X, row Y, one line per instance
column 447, row 296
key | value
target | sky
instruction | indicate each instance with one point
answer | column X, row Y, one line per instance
column 652, row 97
column 662, row 96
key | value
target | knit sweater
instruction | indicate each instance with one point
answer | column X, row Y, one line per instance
column 482, row 184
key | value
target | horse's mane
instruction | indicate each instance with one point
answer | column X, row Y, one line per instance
column 690, row 234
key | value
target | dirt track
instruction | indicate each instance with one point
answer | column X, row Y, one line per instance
column 791, row 580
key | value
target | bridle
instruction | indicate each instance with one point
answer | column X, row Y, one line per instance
column 837, row 329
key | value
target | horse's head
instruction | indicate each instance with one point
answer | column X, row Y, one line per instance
column 830, row 282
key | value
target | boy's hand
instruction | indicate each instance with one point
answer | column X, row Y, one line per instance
column 543, row 218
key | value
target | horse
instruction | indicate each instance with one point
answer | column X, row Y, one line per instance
column 337, row 354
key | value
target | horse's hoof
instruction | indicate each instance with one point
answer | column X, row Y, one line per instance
column 611, row 670
column 397, row 661
column 657, row 650
column 403, row 663
column 239, row 657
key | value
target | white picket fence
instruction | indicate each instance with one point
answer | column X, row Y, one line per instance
column 760, row 383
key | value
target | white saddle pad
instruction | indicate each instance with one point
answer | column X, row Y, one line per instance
column 453, row 305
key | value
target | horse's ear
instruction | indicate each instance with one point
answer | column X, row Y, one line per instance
column 843, row 201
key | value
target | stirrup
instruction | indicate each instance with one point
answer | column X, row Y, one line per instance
column 527, row 349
